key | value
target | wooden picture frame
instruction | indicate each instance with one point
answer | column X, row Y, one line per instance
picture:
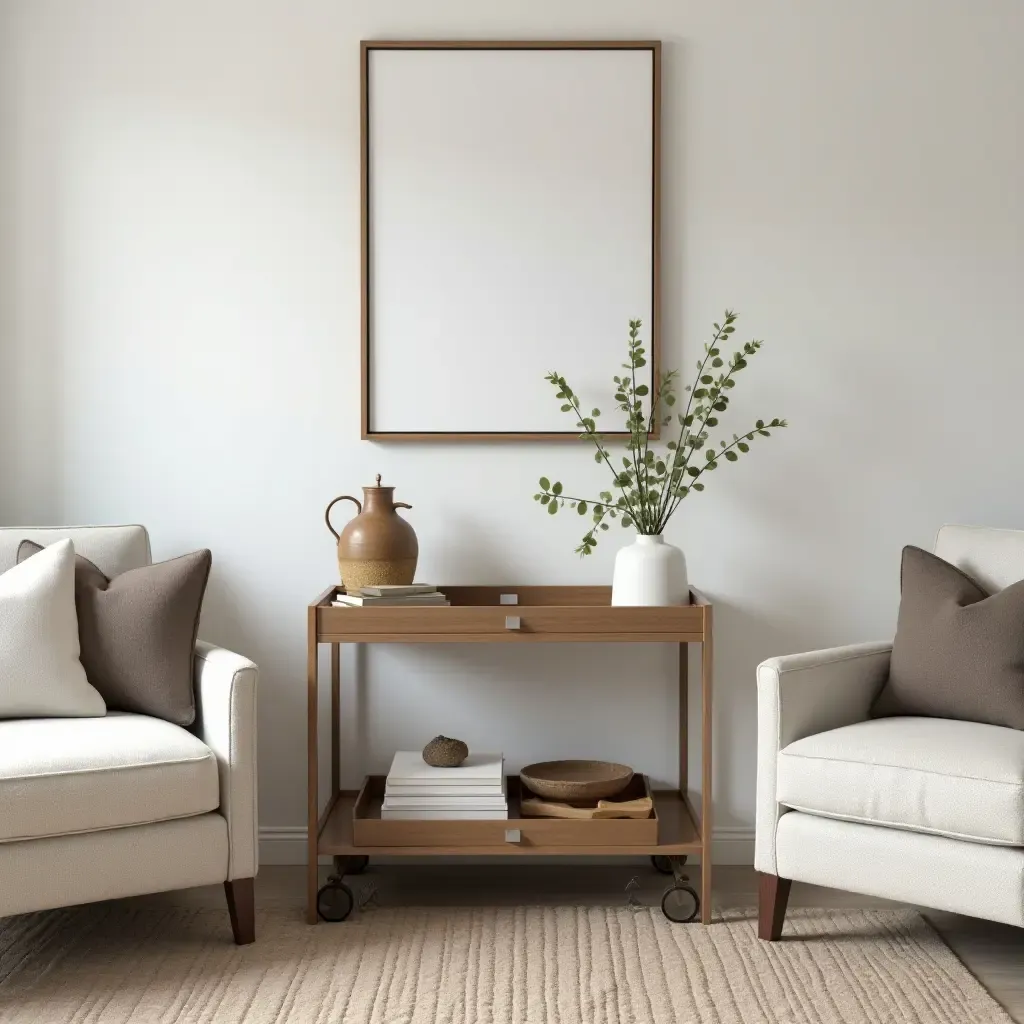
column 391, row 410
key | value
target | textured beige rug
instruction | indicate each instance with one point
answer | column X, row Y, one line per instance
column 565, row 965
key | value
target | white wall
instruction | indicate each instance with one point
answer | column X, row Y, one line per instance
column 179, row 268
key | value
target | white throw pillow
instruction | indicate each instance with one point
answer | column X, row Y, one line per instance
column 40, row 674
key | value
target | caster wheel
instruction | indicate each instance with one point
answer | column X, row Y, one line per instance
column 664, row 864
column 680, row 904
column 334, row 901
column 357, row 865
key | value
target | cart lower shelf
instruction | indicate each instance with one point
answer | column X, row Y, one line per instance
column 677, row 835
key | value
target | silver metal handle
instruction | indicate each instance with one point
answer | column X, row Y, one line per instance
column 512, row 622
column 513, row 835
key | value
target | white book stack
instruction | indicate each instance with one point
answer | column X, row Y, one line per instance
column 415, row 791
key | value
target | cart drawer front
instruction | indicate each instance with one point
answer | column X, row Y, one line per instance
column 513, row 832
column 510, row 620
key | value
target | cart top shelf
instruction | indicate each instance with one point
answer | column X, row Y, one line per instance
column 513, row 614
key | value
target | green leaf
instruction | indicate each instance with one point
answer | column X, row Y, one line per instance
column 743, row 447
column 566, row 408
column 759, row 424
column 707, row 379
column 597, row 456
column 697, row 486
column 556, row 487
column 545, row 484
column 604, row 526
column 552, row 507
column 595, row 412
column 641, row 389
column 545, row 498
column 709, row 455
column 582, row 508
column 716, row 362
column 731, row 456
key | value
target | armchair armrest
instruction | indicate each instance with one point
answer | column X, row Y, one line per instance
column 225, row 685
column 799, row 695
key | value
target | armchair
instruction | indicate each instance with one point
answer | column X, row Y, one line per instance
column 922, row 810
column 100, row 808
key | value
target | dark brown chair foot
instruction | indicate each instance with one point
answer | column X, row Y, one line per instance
column 242, row 908
column 773, row 895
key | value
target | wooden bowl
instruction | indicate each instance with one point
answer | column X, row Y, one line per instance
column 576, row 781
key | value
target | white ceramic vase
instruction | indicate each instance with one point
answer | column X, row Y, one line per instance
column 650, row 572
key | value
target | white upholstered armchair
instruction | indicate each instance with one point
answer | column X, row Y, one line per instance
column 98, row 808
column 922, row 810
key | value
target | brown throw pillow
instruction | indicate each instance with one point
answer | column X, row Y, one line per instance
column 959, row 651
column 138, row 632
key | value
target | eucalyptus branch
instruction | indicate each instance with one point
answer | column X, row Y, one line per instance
column 633, row 329
column 711, row 351
column 551, row 495
column 730, row 317
column 712, row 401
column 570, row 397
column 741, row 442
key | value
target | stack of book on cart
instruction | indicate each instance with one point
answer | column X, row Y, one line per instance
column 474, row 791
column 391, row 596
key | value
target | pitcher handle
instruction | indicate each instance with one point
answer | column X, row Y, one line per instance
column 327, row 514
column 401, row 504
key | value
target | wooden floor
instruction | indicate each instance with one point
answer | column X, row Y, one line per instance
column 993, row 952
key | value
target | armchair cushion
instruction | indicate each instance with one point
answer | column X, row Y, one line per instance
column 958, row 779
column 41, row 675
column 959, row 650
column 67, row 775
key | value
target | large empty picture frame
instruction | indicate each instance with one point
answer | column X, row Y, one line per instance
column 509, row 228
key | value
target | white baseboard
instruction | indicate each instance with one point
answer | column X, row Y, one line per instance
column 281, row 845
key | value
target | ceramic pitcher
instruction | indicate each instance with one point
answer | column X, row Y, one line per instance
column 378, row 545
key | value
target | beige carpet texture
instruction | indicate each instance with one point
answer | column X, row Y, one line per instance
column 109, row 964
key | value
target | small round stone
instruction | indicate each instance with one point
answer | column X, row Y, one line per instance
column 444, row 752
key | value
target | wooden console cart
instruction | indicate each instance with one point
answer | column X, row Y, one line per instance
column 350, row 827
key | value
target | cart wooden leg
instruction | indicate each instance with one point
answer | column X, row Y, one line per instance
column 684, row 722
column 313, row 767
column 335, row 720
column 706, row 816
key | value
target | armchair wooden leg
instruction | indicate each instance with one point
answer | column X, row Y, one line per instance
column 242, row 908
column 773, row 895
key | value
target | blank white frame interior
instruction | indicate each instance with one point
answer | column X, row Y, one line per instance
column 509, row 229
